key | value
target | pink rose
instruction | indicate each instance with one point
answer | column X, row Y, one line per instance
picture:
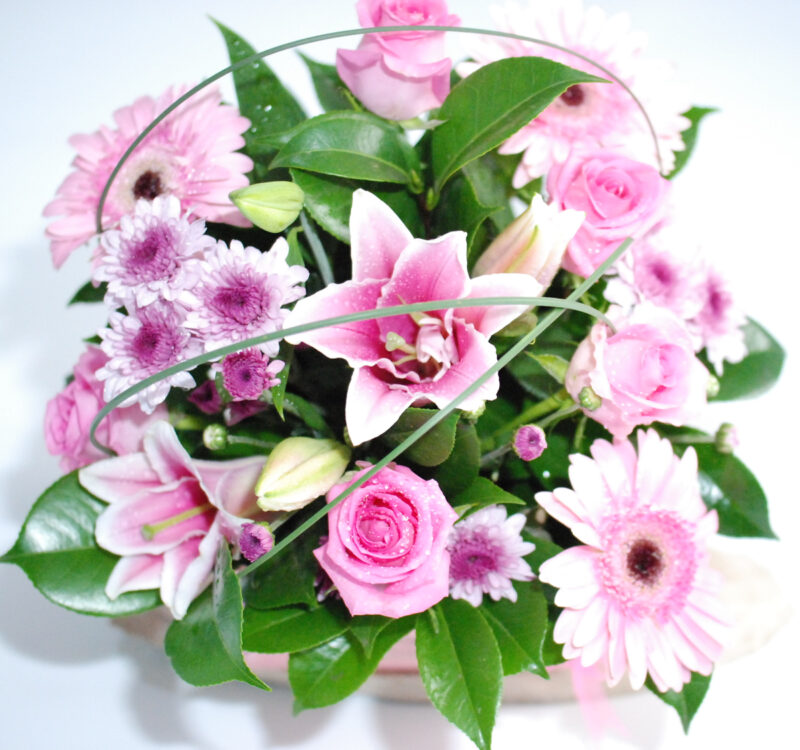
column 399, row 75
column 386, row 549
column 645, row 372
column 620, row 197
column 69, row 416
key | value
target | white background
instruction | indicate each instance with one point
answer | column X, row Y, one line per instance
column 68, row 681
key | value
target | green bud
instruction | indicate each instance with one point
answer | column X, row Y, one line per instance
column 726, row 439
column 271, row 206
column 215, row 437
column 299, row 470
column 712, row 388
column 588, row 399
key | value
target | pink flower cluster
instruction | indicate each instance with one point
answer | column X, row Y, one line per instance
column 185, row 293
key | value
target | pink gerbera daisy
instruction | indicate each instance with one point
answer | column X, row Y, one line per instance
column 640, row 594
column 144, row 343
column 146, row 259
column 191, row 154
column 587, row 116
column 486, row 554
column 242, row 293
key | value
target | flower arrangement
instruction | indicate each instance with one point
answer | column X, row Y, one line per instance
column 433, row 400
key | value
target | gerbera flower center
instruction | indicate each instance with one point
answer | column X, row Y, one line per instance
column 148, row 185
column 573, row 96
column 645, row 561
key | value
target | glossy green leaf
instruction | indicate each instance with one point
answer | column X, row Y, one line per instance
column 432, row 448
column 483, row 492
column 205, row 647
column 308, row 412
column 758, row 371
column 460, row 666
column 460, row 209
column 695, row 115
column 353, row 145
column 552, row 364
column 57, row 550
column 89, row 292
column 461, row 467
column 490, row 181
column 493, row 103
column 688, row 700
column 288, row 629
column 730, row 488
column 552, row 467
column 329, row 199
column 327, row 84
column 544, row 550
column 520, row 628
column 262, row 99
column 286, row 355
column 330, row 672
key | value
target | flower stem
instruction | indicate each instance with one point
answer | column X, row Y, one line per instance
column 557, row 401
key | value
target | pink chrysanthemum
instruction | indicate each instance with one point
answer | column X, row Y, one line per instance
column 142, row 344
column 640, row 594
column 241, row 294
column 146, row 258
column 191, row 154
column 486, row 552
column 587, row 116
column 717, row 326
column 529, row 442
column 247, row 374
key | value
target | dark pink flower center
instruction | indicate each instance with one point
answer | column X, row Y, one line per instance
column 473, row 557
column 148, row 185
column 244, row 303
column 155, row 344
column 573, row 96
column 645, row 561
column 153, row 257
column 245, row 374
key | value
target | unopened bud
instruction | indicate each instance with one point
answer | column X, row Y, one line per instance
column 299, row 470
column 529, row 442
column 588, row 399
column 726, row 440
column 272, row 206
column 255, row 540
column 534, row 243
column 712, row 387
column 215, row 437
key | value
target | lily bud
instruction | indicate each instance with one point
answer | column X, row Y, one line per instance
column 299, row 470
column 534, row 243
column 271, row 206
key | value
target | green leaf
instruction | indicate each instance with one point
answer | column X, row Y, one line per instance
column 288, row 577
column 262, row 98
column 552, row 467
column 329, row 199
column 57, row 550
column 520, row 629
column 367, row 628
column 689, row 136
column 431, row 449
column 89, row 292
column 688, row 700
column 308, row 412
column 552, row 364
column 329, row 87
column 328, row 673
column 730, row 488
column 461, row 467
column 353, row 145
column 493, row 103
column 460, row 666
column 461, row 209
column 758, row 371
column 277, row 631
column 491, row 183
column 483, row 492
column 545, row 549
column 205, row 647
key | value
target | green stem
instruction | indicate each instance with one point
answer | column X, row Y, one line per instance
column 320, row 256
column 245, row 440
column 557, row 416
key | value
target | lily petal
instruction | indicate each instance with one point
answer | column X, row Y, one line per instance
column 377, row 237
column 135, row 573
column 116, row 479
column 230, row 484
column 372, row 405
column 489, row 320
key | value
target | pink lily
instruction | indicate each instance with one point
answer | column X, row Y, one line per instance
column 168, row 515
column 411, row 359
